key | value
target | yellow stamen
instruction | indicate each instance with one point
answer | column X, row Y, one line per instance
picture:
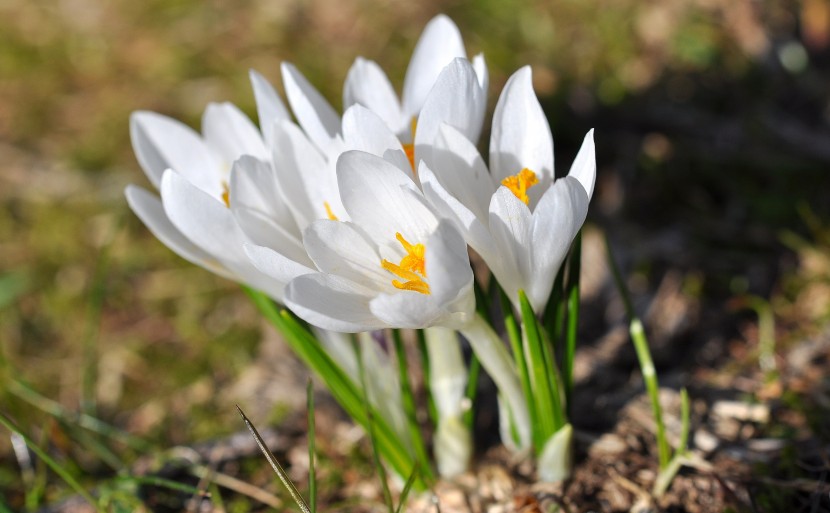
column 412, row 267
column 520, row 183
column 226, row 194
column 409, row 148
column 329, row 212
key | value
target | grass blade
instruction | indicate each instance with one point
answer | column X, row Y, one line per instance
column 513, row 333
column 283, row 476
column 60, row 471
column 426, row 368
column 574, row 266
column 341, row 387
column 618, row 280
column 548, row 407
column 28, row 394
column 407, row 488
column 472, row 390
column 161, row 482
column 408, row 398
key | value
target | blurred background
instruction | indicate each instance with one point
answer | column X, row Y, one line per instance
column 713, row 148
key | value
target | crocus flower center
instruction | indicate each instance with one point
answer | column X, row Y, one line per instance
column 226, row 194
column 520, row 183
column 412, row 267
column 409, row 148
column 329, row 212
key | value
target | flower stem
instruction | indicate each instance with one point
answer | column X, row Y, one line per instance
column 343, row 389
column 497, row 362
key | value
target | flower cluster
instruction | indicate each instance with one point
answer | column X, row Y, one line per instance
column 362, row 222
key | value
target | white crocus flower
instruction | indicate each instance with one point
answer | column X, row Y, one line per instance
column 305, row 155
column 515, row 216
column 414, row 120
column 395, row 264
column 218, row 192
column 440, row 44
column 457, row 99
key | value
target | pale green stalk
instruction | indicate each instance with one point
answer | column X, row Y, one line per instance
column 638, row 336
column 666, row 475
column 500, row 366
column 383, row 387
column 448, row 379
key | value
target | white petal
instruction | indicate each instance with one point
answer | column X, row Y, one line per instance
column 331, row 303
column 382, row 199
column 448, row 270
column 406, row 309
column 439, row 44
column 510, row 223
column 269, row 106
column 275, row 264
column 254, row 186
column 367, row 85
column 162, row 143
column 457, row 100
column 205, row 220
column 317, row 117
column 462, row 171
column 231, row 134
column 481, row 72
column 475, row 231
column 343, row 249
column 584, row 167
column 363, row 130
column 149, row 209
column 556, row 221
column 304, row 176
column 521, row 135
column 264, row 231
